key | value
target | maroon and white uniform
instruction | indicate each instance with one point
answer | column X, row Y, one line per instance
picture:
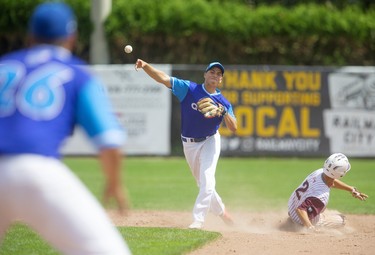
column 312, row 196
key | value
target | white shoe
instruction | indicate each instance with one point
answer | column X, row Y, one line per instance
column 196, row 225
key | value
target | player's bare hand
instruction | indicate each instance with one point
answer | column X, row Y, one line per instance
column 139, row 64
column 357, row 194
column 309, row 230
column 116, row 193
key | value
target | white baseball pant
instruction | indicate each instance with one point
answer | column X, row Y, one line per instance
column 202, row 158
column 331, row 220
column 43, row 193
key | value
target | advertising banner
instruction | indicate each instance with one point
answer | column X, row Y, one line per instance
column 350, row 121
column 296, row 111
column 278, row 111
column 142, row 106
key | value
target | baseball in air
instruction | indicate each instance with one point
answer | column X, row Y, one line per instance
column 128, row 49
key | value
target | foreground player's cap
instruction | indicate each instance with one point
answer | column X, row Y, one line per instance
column 215, row 64
column 52, row 20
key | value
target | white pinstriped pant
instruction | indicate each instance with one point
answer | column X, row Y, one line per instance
column 43, row 193
column 202, row 158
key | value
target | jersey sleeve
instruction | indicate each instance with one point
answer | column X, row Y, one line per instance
column 313, row 206
column 230, row 111
column 95, row 115
column 179, row 87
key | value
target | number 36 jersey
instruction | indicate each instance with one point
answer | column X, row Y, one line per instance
column 44, row 93
column 312, row 196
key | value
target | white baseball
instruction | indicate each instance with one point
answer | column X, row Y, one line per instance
column 128, row 49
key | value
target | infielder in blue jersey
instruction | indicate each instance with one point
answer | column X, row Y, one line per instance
column 199, row 135
column 44, row 93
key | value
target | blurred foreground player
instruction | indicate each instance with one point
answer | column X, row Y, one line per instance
column 308, row 202
column 44, row 93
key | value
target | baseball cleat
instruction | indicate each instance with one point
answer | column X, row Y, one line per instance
column 196, row 225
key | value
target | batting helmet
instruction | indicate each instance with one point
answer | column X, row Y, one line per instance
column 336, row 165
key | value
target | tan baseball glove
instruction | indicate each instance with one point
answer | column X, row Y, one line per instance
column 209, row 108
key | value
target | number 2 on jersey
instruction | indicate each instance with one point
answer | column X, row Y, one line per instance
column 302, row 189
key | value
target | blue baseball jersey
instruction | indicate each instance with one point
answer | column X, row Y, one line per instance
column 193, row 123
column 44, row 93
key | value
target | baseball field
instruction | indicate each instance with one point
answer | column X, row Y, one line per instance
column 255, row 191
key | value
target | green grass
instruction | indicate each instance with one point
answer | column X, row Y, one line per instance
column 157, row 183
column 166, row 241
column 254, row 184
column 21, row 240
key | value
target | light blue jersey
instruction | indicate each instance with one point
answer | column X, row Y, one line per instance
column 44, row 93
column 193, row 123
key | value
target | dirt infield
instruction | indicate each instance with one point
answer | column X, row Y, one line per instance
column 266, row 233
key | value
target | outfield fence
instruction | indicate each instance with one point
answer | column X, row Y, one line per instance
column 280, row 110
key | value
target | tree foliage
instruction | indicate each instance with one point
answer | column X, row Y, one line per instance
column 234, row 31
